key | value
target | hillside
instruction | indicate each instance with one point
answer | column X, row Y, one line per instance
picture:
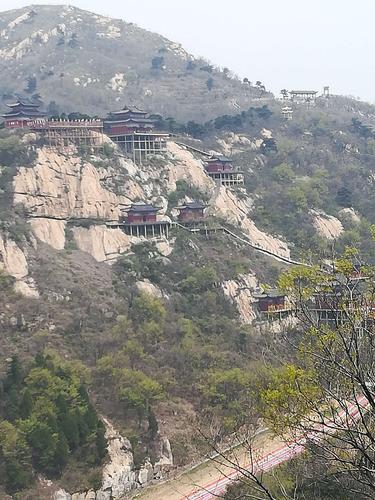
column 169, row 324
column 115, row 347
column 84, row 62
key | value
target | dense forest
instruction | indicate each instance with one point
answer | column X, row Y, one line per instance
column 46, row 418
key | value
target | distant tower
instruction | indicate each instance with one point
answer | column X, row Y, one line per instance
column 287, row 112
column 326, row 91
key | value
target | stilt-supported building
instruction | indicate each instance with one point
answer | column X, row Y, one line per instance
column 62, row 134
column 22, row 113
column 221, row 170
column 133, row 130
column 273, row 304
column 141, row 220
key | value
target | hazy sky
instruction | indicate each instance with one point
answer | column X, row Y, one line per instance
column 284, row 43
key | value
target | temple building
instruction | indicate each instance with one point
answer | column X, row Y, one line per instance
column 23, row 113
column 141, row 220
column 287, row 112
column 133, row 130
column 303, row 96
column 221, row 170
column 191, row 212
column 273, row 304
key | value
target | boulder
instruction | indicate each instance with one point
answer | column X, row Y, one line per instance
column 62, row 495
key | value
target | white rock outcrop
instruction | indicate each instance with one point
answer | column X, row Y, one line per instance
column 184, row 166
column 326, row 225
column 145, row 286
column 13, row 261
column 50, row 231
column 118, row 474
column 350, row 213
column 226, row 204
column 240, row 292
column 103, row 243
column 234, row 143
column 63, row 187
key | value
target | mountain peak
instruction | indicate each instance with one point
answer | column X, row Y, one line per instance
column 82, row 61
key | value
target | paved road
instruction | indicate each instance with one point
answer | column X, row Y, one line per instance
column 276, row 457
column 210, row 479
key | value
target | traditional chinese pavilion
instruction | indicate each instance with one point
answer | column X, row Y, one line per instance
column 303, row 96
column 22, row 113
column 191, row 212
column 221, row 170
column 141, row 220
column 273, row 304
column 133, row 130
column 287, row 112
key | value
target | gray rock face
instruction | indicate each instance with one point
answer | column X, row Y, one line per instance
column 119, row 476
column 146, row 473
column 62, row 495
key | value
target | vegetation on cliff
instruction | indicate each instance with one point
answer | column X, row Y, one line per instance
column 46, row 418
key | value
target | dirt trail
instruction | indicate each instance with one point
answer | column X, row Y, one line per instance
column 209, row 472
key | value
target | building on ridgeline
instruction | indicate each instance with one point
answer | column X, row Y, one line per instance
column 191, row 213
column 221, row 170
column 133, row 130
column 22, row 113
column 141, row 220
column 303, row 96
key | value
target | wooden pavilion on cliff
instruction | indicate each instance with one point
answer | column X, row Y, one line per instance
column 273, row 304
column 133, row 130
column 141, row 220
column 221, row 170
column 22, row 113
column 191, row 213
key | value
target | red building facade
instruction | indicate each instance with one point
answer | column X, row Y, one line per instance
column 191, row 212
column 219, row 164
column 271, row 301
column 22, row 113
column 141, row 213
column 128, row 120
column 132, row 130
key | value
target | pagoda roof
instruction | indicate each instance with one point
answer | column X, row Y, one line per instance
column 25, row 114
column 134, row 120
column 271, row 293
column 192, row 205
column 23, row 102
column 142, row 207
column 222, row 159
column 303, row 92
column 127, row 110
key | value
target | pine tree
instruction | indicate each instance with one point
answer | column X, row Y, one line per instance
column 101, row 442
column 61, row 452
column 26, row 404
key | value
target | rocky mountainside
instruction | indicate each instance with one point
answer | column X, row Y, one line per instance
column 84, row 62
column 163, row 327
column 154, row 337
